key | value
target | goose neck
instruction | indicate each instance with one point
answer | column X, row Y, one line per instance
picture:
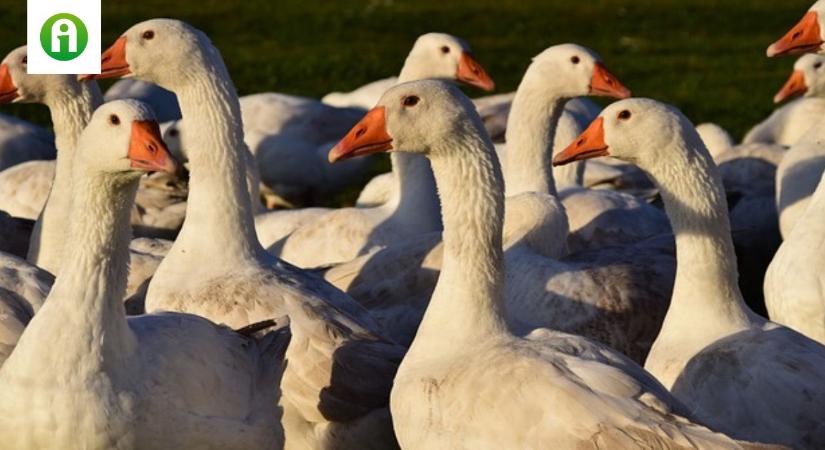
column 84, row 310
column 706, row 291
column 467, row 303
column 71, row 109
column 531, row 127
column 218, row 205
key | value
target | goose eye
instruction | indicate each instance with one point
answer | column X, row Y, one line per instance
column 114, row 119
column 25, row 60
column 411, row 100
column 148, row 35
column 173, row 132
column 575, row 60
column 624, row 115
column 445, row 49
column 817, row 65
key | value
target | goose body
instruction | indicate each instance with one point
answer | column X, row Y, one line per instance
column 793, row 284
column 712, row 351
column 463, row 359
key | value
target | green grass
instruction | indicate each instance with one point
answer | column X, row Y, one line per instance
column 705, row 56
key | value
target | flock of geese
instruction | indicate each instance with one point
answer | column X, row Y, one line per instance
column 505, row 286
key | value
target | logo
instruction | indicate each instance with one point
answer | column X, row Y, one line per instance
column 64, row 37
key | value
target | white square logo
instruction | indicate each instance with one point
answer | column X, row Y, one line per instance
column 63, row 36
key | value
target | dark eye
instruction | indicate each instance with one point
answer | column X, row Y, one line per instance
column 25, row 60
column 411, row 100
column 575, row 60
column 624, row 115
column 817, row 65
column 173, row 132
column 114, row 119
column 445, row 49
column 148, row 35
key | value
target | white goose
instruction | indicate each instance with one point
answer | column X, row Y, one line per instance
column 788, row 124
column 554, row 388
column 596, row 217
column 335, row 345
column 412, row 209
column 737, row 372
column 83, row 375
column 800, row 171
column 71, row 104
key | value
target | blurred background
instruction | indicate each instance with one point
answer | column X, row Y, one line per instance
column 705, row 56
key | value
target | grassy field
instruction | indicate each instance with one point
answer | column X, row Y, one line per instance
column 705, row 56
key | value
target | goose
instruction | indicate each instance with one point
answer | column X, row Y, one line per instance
column 595, row 218
column 21, row 141
column 713, row 351
column 24, row 188
column 554, row 388
column 788, row 124
column 716, row 138
column 71, row 104
column 153, row 381
column 340, row 367
column 343, row 234
column 800, row 171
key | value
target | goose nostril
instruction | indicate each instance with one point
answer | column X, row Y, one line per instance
column 360, row 132
column 580, row 143
column 152, row 148
column 796, row 35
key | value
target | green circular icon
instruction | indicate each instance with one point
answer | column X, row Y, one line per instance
column 64, row 37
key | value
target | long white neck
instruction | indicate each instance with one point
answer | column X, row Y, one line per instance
column 531, row 127
column 706, row 300
column 82, row 330
column 219, row 210
column 468, row 300
column 71, row 109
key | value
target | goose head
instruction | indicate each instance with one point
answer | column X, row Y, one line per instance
column 807, row 36
column 445, row 57
column 807, row 79
column 17, row 86
column 129, row 127
column 156, row 50
column 414, row 117
column 635, row 130
column 571, row 70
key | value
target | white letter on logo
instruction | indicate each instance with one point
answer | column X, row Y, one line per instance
column 64, row 27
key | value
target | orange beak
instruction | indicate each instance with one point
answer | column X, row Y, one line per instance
column 8, row 91
column 367, row 137
column 606, row 84
column 804, row 37
column 112, row 62
column 471, row 72
column 793, row 87
column 589, row 145
column 147, row 150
